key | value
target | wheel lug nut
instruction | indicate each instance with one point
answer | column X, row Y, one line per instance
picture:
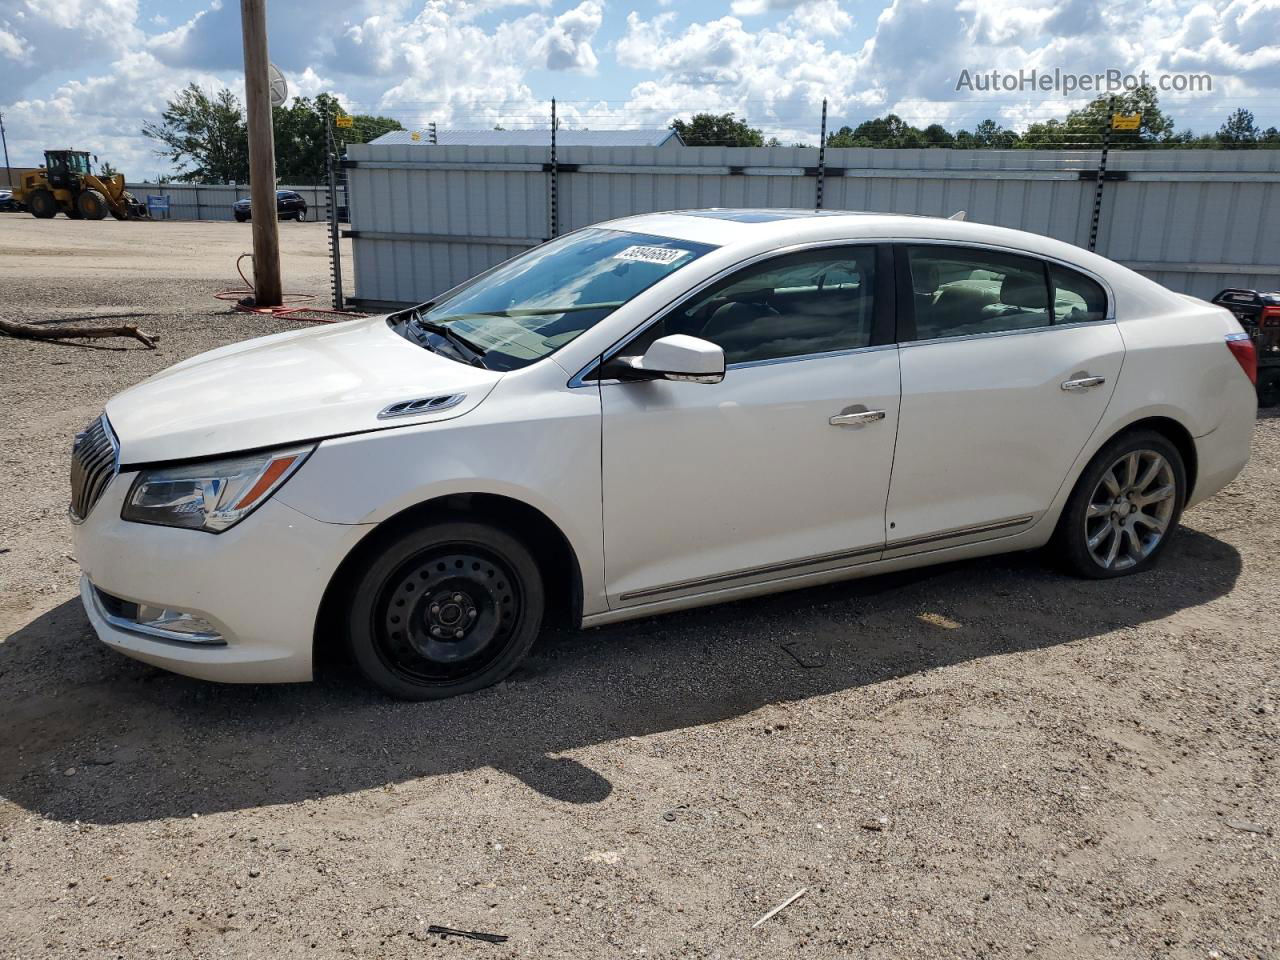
column 471, row 613
column 457, row 598
column 457, row 634
column 437, row 632
column 435, row 608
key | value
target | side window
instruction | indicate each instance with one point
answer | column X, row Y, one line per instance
column 960, row 292
column 1076, row 298
column 814, row 301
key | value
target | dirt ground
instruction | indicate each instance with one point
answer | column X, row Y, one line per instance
column 981, row 760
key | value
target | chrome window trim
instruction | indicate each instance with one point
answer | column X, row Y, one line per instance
column 577, row 381
column 991, row 335
column 747, row 364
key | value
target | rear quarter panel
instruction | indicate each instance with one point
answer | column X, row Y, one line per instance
column 1176, row 364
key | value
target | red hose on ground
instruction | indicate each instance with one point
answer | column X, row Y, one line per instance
column 289, row 310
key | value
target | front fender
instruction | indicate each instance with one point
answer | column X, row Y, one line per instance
column 547, row 457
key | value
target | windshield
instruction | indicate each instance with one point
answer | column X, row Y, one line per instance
column 532, row 306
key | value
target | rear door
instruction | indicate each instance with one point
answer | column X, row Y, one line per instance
column 1008, row 363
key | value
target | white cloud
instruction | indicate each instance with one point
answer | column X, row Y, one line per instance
column 476, row 62
column 567, row 43
column 753, row 8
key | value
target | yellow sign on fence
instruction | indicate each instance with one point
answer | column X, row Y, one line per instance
column 342, row 120
column 1126, row 121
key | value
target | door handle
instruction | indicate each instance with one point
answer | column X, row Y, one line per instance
column 1084, row 383
column 858, row 419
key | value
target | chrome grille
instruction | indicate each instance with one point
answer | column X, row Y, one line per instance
column 95, row 458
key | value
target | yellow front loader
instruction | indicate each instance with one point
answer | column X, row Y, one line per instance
column 67, row 184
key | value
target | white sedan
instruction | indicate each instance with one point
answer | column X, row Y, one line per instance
column 642, row 416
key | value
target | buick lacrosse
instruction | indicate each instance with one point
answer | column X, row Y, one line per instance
column 642, row 416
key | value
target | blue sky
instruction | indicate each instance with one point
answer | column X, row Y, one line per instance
column 89, row 72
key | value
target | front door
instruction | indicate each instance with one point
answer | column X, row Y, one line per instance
column 1005, row 376
column 783, row 467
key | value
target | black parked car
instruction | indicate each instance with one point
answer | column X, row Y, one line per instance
column 289, row 206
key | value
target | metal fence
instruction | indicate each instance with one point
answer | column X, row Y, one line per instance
column 190, row 201
column 424, row 218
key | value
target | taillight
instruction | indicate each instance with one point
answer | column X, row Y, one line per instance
column 1241, row 348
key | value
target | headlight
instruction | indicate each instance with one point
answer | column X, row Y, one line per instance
column 213, row 495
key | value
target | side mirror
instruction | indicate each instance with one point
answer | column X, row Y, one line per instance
column 681, row 358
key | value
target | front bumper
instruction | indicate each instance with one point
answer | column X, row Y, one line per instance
column 258, row 584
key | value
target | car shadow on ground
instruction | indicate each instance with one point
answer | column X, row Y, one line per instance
column 145, row 744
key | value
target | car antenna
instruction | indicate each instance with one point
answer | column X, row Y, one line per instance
column 958, row 215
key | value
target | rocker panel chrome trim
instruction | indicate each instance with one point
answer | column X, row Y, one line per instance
column 792, row 566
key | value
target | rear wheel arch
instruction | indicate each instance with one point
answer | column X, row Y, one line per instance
column 1175, row 433
column 554, row 554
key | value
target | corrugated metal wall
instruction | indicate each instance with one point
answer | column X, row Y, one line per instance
column 190, row 201
column 424, row 219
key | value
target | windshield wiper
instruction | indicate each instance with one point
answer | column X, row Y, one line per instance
column 471, row 353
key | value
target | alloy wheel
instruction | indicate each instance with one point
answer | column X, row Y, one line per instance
column 1130, row 510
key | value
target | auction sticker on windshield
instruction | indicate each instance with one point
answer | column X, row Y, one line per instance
column 651, row 254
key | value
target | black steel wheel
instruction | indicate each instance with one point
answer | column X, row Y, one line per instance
column 1125, row 507
column 446, row 609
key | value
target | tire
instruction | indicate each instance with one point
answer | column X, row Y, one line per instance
column 455, row 577
column 1269, row 386
column 301, row 215
column 240, row 219
column 91, row 204
column 1128, row 527
column 42, row 204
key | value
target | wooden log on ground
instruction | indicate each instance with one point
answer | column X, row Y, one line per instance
column 38, row 332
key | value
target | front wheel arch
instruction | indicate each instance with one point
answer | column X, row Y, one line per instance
column 555, row 556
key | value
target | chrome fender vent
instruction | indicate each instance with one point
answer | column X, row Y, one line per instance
column 422, row 405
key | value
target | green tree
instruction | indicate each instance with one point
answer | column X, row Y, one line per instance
column 1084, row 128
column 717, row 130
column 301, row 140
column 108, row 170
column 206, row 135
column 1239, row 131
column 203, row 135
column 936, row 135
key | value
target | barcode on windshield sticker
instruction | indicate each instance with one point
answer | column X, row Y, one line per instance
column 651, row 254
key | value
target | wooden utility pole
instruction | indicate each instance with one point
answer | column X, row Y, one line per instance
column 267, row 291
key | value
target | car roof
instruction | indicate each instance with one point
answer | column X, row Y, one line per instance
column 753, row 230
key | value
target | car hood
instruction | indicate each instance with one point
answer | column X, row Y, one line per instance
column 322, row 381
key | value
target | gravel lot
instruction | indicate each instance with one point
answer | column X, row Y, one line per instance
column 984, row 759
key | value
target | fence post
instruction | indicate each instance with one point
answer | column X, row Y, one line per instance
column 1102, row 176
column 555, row 177
column 822, row 154
column 335, row 242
